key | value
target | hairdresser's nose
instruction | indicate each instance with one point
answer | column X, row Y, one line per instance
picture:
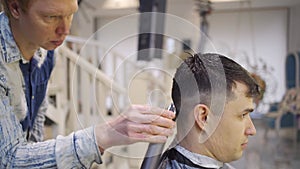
column 64, row 25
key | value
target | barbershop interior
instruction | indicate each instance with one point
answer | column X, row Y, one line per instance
column 122, row 52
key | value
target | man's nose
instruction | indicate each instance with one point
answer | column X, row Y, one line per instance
column 250, row 130
column 64, row 26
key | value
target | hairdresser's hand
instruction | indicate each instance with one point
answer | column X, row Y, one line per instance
column 138, row 123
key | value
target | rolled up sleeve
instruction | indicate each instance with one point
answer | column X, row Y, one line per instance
column 77, row 150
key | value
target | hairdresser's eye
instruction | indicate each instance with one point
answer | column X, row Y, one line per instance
column 69, row 16
column 50, row 18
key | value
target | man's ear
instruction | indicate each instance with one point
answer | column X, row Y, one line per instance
column 201, row 112
column 14, row 8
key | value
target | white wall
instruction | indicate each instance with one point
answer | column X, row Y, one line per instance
column 294, row 37
column 119, row 33
column 83, row 22
column 231, row 33
column 260, row 34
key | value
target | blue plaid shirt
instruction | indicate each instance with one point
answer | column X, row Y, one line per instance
column 78, row 150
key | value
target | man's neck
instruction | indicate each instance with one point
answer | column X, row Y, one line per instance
column 191, row 143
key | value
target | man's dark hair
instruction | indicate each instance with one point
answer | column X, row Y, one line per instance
column 202, row 75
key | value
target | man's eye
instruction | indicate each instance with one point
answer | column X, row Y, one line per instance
column 244, row 115
column 50, row 17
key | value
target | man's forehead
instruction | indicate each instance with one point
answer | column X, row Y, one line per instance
column 57, row 6
column 240, row 89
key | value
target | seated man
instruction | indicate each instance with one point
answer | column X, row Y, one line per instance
column 213, row 96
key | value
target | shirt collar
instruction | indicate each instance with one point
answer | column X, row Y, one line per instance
column 9, row 49
column 198, row 159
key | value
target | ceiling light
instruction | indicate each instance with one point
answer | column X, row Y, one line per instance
column 227, row 0
column 120, row 4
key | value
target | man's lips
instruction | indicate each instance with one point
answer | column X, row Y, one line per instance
column 244, row 145
column 57, row 43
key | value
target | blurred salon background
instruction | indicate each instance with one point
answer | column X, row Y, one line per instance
column 118, row 55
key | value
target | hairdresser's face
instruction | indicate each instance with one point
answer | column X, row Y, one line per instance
column 230, row 138
column 46, row 23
